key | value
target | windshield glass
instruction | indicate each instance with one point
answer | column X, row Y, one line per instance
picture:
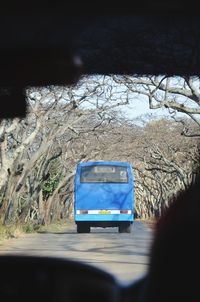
column 104, row 174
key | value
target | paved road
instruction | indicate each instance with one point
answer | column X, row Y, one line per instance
column 124, row 255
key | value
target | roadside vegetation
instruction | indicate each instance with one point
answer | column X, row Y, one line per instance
column 15, row 231
column 38, row 154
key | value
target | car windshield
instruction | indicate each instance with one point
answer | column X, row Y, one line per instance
column 146, row 122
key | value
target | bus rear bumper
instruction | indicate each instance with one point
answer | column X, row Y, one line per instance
column 94, row 219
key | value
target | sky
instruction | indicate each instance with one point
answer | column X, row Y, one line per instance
column 140, row 107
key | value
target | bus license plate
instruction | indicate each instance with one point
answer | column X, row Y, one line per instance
column 104, row 212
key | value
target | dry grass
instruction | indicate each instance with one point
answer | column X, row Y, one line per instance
column 16, row 231
column 58, row 226
column 8, row 232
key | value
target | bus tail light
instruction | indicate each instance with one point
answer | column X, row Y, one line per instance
column 123, row 211
column 83, row 211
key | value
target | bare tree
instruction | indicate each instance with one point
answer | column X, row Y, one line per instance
column 177, row 94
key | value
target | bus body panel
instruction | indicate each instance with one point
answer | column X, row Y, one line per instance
column 104, row 201
column 104, row 196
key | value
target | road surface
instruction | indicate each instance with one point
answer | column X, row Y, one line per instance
column 123, row 255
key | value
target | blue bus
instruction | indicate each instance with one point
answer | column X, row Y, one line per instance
column 104, row 196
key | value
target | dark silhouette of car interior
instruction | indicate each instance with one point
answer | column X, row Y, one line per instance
column 53, row 44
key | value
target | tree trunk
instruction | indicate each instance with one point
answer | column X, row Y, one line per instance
column 41, row 211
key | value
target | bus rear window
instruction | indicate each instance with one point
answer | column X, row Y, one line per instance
column 104, row 174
